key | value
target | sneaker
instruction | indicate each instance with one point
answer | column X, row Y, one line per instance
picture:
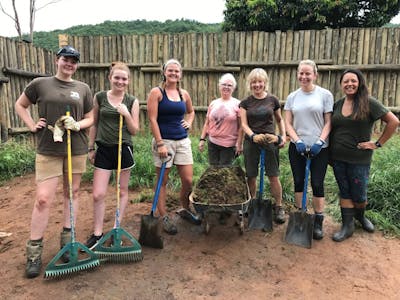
column 33, row 268
column 279, row 216
column 168, row 226
column 92, row 241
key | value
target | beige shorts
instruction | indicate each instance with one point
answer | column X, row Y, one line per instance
column 180, row 150
column 52, row 166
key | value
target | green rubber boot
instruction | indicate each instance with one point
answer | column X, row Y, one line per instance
column 33, row 258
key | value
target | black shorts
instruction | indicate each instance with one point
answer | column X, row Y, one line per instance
column 107, row 157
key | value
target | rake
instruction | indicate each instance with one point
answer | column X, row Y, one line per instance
column 123, row 247
column 80, row 257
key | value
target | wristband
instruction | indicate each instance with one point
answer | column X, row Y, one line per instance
column 91, row 149
column 279, row 140
column 252, row 137
column 201, row 139
column 378, row 144
column 160, row 145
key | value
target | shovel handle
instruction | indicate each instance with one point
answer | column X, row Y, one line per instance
column 262, row 166
column 159, row 182
column 307, row 172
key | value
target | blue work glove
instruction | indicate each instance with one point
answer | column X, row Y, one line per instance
column 300, row 147
column 316, row 147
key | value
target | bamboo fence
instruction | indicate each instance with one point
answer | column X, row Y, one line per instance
column 205, row 57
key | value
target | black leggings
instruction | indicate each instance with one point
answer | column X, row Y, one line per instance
column 318, row 170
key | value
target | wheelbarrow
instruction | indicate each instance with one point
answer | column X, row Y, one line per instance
column 207, row 208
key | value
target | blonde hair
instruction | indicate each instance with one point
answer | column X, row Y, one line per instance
column 119, row 65
column 257, row 74
column 171, row 61
column 310, row 63
column 228, row 76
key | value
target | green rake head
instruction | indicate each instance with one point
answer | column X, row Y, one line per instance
column 119, row 246
column 81, row 258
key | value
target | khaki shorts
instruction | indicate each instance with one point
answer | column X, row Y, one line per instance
column 181, row 151
column 53, row 166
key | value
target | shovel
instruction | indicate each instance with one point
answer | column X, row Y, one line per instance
column 260, row 210
column 300, row 227
column 150, row 227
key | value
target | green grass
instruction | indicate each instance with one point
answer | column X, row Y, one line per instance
column 384, row 187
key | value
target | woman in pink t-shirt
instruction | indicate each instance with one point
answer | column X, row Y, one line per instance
column 222, row 125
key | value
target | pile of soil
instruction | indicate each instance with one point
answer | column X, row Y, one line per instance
column 222, row 185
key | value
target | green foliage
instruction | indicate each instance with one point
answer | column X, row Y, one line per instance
column 271, row 15
column 49, row 40
column 384, row 187
column 15, row 160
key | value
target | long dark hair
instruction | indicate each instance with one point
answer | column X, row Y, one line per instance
column 361, row 98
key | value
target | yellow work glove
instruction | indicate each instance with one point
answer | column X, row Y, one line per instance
column 58, row 130
column 70, row 123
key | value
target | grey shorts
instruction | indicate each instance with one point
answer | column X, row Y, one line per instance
column 251, row 153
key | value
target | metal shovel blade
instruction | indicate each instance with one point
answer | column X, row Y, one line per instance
column 300, row 229
column 150, row 232
column 260, row 214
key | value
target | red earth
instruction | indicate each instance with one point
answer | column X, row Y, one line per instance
column 222, row 264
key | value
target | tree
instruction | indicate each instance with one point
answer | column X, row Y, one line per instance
column 33, row 9
column 271, row 15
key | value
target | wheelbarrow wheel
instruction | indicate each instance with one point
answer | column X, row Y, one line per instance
column 241, row 222
column 206, row 227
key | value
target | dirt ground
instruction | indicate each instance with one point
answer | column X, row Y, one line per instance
column 193, row 265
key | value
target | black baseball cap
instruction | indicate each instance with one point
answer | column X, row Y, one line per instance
column 70, row 52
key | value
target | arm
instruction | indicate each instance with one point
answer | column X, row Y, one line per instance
column 203, row 134
column 187, row 122
column 131, row 117
column 93, row 130
column 245, row 125
column 22, row 109
column 392, row 123
column 152, row 113
column 239, row 142
column 281, row 127
column 327, row 127
column 289, row 126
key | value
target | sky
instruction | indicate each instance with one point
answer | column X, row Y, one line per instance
column 68, row 13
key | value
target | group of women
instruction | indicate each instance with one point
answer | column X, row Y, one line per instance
column 232, row 127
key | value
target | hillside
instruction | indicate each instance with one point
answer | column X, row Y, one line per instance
column 49, row 39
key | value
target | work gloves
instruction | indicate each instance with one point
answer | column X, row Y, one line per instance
column 70, row 123
column 300, row 147
column 64, row 122
column 316, row 147
column 266, row 138
column 58, row 130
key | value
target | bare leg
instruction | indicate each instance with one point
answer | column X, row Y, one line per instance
column 162, row 197
column 124, row 193
column 186, row 174
column 276, row 189
column 252, row 183
column 101, row 179
column 76, row 181
column 45, row 194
